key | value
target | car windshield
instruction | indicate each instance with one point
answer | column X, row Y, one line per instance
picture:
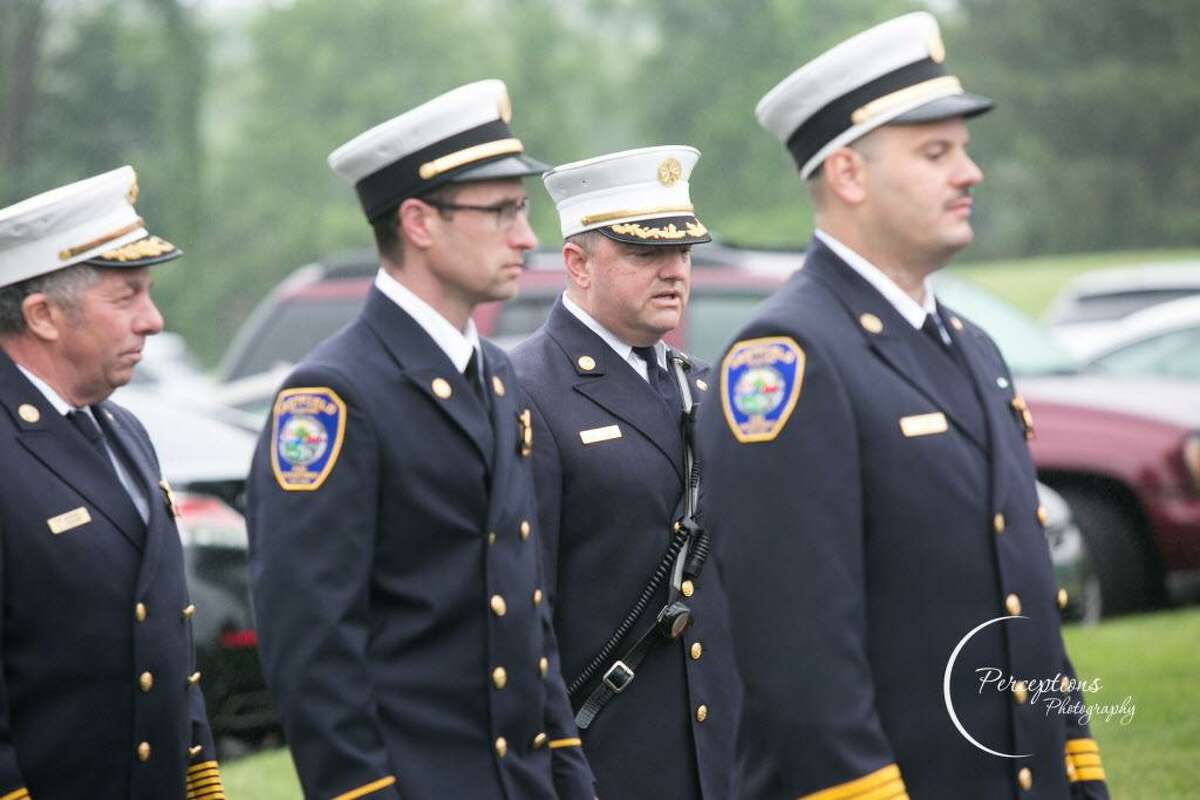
column 1172, row 355
column 1116, row 305
column 295, row 328
column 1025, row 344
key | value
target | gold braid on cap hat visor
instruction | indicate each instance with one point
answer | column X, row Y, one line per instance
column 609, row 216
column 925, row 90
column 693, row 229
column 501, row 147
column 71, row 252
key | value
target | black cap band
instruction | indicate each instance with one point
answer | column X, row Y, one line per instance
column 834, row 119
column 381, row 191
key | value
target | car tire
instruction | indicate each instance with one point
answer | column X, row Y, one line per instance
column 1129, row 578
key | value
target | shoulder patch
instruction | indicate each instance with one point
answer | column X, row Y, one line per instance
column 760, row 384
column 308, row 426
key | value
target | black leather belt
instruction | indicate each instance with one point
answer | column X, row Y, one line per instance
column 671, row 623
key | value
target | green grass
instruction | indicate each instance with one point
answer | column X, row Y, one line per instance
column 1031, row 283
column 1150, row 658
column 265, row 776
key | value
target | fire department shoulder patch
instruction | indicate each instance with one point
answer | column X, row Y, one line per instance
column 760, row 384
column 307, row 428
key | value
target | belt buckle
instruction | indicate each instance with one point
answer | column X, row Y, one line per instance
column 618, row 677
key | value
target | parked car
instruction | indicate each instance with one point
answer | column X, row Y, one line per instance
column 1089, row 309
column 206, row 462
column 1162, row 341
column 727, row 284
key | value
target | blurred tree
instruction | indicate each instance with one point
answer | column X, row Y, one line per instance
column 1093, row 140
column 318, row 74
column 22, row 30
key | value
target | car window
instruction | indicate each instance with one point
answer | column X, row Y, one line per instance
column 295, row 327
column 713, row 319
column 1116, row 305
column 1172, row 355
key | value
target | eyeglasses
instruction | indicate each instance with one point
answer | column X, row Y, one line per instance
column 506, row 212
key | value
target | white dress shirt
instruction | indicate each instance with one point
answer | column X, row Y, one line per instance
column 625, row 351
column 457, row 345
column 909, row 308
column 131, row 486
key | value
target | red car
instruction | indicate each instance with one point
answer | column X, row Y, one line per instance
column 1126, row 455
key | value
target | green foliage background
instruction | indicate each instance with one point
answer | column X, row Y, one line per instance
column 229, row 117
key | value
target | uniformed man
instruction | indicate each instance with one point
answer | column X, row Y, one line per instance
column 99, row 697
column 393, row 539
column 893, row 601
column 658, row 706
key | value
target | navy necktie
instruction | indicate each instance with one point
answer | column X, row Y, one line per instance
column 660, row 381
column 87, row 426
column 474, row 376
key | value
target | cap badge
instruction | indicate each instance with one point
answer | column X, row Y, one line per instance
column 669, row 172
column 504, row 107
column 132, row 194
column 937, row 50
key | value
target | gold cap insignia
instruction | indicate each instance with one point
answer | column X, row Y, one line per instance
column 871, row 323
column 29, row 413
column 937, row 50
column 504, row 108
column 132, row 194
column 669, row 172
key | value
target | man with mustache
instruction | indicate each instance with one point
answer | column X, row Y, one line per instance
column 869, row 475
column 394, row 557
column 649, row 662
column 100, row 696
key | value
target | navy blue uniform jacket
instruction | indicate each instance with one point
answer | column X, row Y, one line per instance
column 98, row 697
column 605, row 511
column 395, row 604
column 892, row 513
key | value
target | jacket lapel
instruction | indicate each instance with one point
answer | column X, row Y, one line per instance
column 985, row 371
column 892, row 342
column 615, row 386
column 144, row 472
column 55, row 442
column 429, row 369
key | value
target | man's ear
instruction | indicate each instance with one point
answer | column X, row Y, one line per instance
column 844, row 174
column 414, row 219
column 575, row 259
column 42, row 317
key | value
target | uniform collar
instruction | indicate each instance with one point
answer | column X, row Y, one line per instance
column 457, row 345
column 908, row 308
column 622, row 349
column 52, row 397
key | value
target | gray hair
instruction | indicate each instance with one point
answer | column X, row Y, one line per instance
column 586, row 240
column 64, row 287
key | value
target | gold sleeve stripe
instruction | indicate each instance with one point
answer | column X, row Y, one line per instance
column 1088, row 774
column 1082, row 746
column 557, row 743
column 197, row 767
column 885, row 778
column 1086, row 760
column 362, row 791
column 207, row 772
column 893, row 790
column 196, row 786
column 18, row 794
column 203, row 780
column 214, row 793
